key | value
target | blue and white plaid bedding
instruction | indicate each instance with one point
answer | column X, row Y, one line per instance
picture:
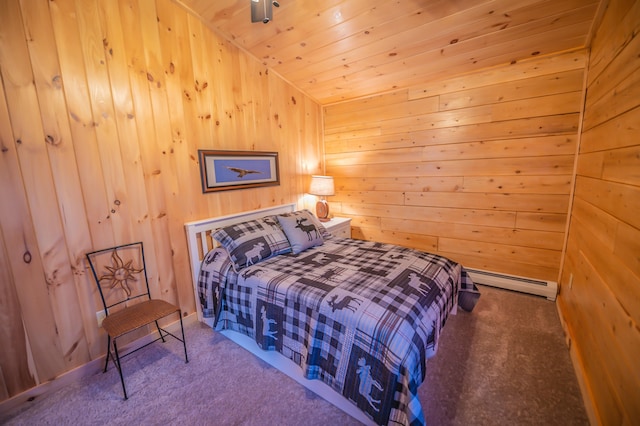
column 361, row 316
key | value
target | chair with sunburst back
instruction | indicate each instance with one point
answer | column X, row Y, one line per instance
column 121, row 276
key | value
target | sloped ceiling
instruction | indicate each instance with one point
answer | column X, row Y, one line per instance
column 340, row 50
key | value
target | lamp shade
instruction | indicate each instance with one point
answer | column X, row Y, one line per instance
column 322, row 185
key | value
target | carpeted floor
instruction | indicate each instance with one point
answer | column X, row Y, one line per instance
column 504, row 363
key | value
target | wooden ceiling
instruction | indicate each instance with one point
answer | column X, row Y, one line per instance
column 336, row 50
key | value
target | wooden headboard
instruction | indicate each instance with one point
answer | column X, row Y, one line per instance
column 199, row 240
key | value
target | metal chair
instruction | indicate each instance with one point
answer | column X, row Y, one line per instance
column 124, row 289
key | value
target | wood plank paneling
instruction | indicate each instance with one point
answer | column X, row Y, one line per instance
column 176, row 55
column 479, row 168
column 46, row 69
column 52, row 270
column 600, row 298
column 476, row 233
column 103, row 106
column 66, row 33
column 343, row 50
column 14, row 358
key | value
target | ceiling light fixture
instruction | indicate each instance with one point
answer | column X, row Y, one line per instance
column 262, row 11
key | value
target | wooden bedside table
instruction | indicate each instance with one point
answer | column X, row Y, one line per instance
column 339, row 226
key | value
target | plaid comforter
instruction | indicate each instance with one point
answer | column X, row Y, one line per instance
column 361, row 316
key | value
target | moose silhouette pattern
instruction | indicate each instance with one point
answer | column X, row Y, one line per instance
column 309, row 229
column 416, row 282
column 372, row 384
column 266, row 324
column 367, row 383
column 350, row 303
column 269, row 331
column 253, row 253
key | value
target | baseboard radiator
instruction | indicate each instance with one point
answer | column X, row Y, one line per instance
column 548, row 289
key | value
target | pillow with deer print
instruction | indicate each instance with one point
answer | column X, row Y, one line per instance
column 303, row 230
column 252, row 241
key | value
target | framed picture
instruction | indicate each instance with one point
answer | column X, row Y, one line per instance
column 225, row 170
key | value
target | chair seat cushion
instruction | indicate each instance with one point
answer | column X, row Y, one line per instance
column 136, row 316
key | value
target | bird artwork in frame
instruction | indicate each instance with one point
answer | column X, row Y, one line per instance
column 225, row 170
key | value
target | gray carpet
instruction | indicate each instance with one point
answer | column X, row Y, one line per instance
column 504, row 363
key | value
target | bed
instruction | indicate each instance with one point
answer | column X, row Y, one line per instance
column 354, row 321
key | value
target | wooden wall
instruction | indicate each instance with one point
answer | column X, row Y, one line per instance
column 600, row 297
column 103, row 106
column 477, row 168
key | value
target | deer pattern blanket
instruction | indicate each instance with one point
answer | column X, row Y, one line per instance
column 363, row 317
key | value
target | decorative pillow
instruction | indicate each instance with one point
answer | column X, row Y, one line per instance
column 302, row 229
column 253, row 241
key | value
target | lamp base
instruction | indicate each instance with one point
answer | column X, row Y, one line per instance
column 322, row 211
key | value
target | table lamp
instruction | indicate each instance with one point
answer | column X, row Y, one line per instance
column 322, row 186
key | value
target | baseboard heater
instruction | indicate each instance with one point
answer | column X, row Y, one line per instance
column 548, row 289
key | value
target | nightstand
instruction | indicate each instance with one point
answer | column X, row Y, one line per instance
column 339, row 226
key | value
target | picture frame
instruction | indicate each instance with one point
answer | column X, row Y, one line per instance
column 227, row 170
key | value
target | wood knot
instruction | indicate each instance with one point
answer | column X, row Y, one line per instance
column 56, row 81
column 51, row 140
